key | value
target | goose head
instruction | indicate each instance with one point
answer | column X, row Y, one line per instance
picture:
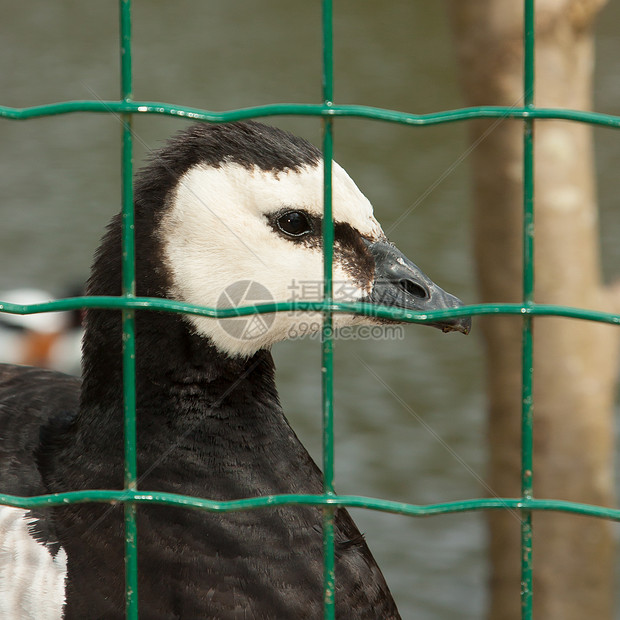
column 237, row 212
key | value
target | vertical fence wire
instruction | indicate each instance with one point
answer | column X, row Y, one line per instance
column 128, row 319
column 528, row 299
column 327, row 366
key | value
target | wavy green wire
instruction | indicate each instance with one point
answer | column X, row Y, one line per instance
column 308, row 109
column 366, row 309
column 351, row 501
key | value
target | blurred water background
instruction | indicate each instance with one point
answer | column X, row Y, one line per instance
column 410, row 412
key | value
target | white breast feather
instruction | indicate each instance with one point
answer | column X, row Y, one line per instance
column 32, row 583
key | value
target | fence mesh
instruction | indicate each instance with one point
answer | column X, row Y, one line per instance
column 126, row 107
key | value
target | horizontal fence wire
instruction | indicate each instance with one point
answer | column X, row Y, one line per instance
column 130, row 496
column 351, row 501
column 310, row 109
column 366, row 309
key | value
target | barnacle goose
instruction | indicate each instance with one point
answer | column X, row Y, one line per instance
column 217, row 205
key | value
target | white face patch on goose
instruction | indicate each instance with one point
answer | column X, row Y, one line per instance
column 221, row 228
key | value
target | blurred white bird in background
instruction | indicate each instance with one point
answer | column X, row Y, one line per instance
column 47, row 340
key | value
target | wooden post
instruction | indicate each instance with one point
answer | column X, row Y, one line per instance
column 575, row 361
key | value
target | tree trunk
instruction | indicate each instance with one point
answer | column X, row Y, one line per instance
column 575, row 362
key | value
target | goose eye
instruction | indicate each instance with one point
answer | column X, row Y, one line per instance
column 294, row 223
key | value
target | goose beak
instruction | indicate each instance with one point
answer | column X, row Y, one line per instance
column 402, row 284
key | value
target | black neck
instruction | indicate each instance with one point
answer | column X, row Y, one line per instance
column 188, row 394
column 183, row 383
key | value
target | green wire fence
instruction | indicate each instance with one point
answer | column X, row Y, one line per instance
column 126, row 107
